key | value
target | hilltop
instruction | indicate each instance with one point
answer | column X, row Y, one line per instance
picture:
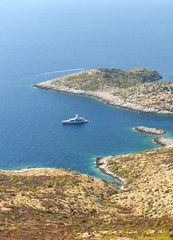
column 135, row 89
column 103, row 78
column 100, row 79
column 61, row 204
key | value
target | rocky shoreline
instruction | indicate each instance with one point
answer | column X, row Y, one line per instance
column 101, row 164
column 147, row 130
column 163, row 141
column 117, row 101
column 107, row 97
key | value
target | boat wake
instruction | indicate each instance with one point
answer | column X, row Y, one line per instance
column 68, row 70
column 52, row 72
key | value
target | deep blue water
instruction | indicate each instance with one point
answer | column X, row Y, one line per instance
column 43, row 36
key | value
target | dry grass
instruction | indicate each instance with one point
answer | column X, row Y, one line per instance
column 149, row 175
column 60, row 204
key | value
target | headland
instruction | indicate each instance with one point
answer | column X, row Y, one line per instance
column 102, row 163
column 135, row 89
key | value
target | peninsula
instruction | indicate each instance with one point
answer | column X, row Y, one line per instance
column 136, row 89
column 102, row 163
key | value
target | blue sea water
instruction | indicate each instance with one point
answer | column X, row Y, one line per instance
column 40, row 37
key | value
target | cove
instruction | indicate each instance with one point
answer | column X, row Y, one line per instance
column 35, row 136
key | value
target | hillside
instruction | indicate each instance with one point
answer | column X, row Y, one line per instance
column 59, row 204
column 101, row 78
column 158, row 95
column 149, row 181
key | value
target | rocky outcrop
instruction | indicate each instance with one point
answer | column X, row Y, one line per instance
column 147, row 130
column 163, row 141
column 101, row 164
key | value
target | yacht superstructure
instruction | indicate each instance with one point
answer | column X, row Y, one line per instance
column 75, row 120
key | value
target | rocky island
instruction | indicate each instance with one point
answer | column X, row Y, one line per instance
column 135, row 89
column 147, row 130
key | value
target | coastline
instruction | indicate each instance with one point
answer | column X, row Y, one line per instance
column 109, row 98
column 101, row 162
column 163, row 142
column 103, row 96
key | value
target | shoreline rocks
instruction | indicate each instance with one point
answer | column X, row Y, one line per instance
column 101, row 164
column 107, row 97
column 147, row 130
column 163, row 141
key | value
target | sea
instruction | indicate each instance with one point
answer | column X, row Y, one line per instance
column 44, row 39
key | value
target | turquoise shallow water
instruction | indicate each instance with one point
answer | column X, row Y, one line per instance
column 39, row 37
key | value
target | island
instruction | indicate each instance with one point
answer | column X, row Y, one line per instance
column 136, row 89
column 147, row 130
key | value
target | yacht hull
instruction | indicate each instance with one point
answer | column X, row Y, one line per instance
column 64, row 122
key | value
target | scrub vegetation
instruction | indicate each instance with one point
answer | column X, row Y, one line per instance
column 156, row 94
column 135, row 89
column 101, row 78
column 59, row 204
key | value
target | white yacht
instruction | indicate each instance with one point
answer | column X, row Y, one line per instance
column 74, row 120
